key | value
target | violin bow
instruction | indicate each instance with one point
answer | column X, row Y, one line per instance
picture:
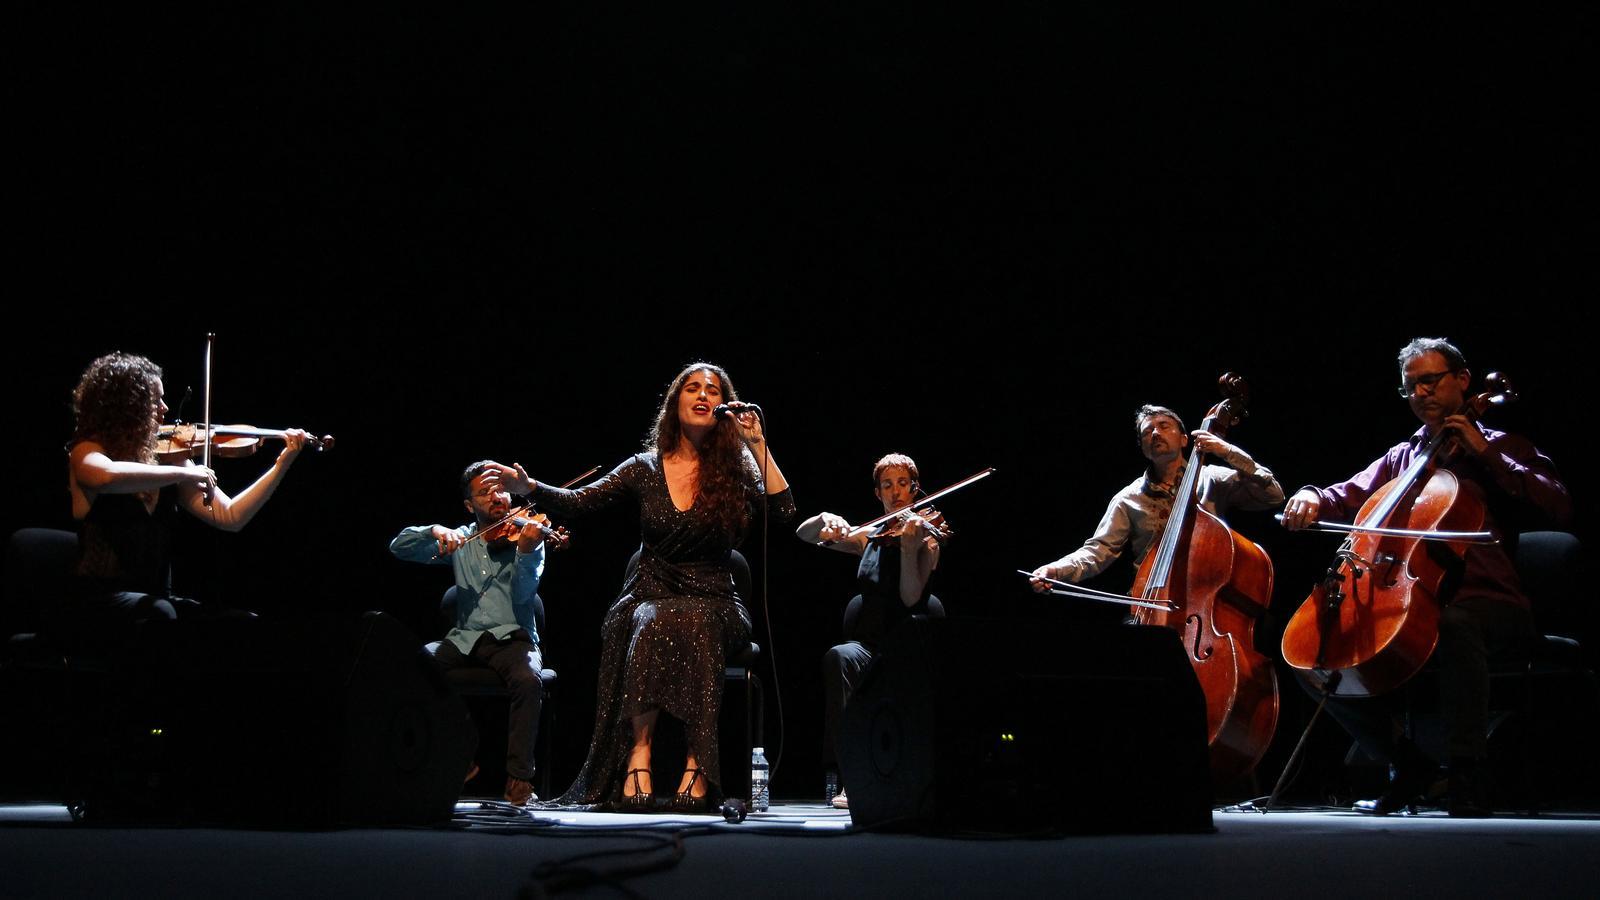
column 205, row 450
column 924, row 500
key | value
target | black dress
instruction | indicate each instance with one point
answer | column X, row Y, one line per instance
column 665, row 641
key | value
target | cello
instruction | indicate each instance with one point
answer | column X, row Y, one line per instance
column 1210, row 584
column 1373, row 620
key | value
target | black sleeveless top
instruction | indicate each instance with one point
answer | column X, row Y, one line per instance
column 123, row 547
column 878, row 580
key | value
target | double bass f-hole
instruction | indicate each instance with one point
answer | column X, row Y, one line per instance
column 1200, row 648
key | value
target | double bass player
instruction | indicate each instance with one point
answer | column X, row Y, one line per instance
column 1137, row 513
column 1198, row 576
column 1484, row 613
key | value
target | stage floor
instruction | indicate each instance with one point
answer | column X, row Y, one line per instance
column 801, row 849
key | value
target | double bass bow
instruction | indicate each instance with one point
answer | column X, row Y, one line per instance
column 1210, row 584
column 1373, row 620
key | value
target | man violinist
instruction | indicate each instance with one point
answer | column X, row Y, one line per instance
column 1138, row 512
column 1486, row 614
column 494, row 610
column 893, row 578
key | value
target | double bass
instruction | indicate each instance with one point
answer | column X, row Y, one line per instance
column 1373, row 620
column 1211, row 584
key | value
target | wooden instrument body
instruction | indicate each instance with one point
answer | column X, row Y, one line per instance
column 1386, row 625
column 1221, row 583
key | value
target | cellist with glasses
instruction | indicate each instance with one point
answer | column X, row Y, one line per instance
column 1482, row 610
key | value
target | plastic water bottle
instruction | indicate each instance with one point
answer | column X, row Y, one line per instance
column 759, row 794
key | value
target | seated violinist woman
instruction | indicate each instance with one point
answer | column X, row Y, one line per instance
column 893, row 580
column 125, row 502
column 666, row 638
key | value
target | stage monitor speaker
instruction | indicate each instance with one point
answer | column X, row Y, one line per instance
column 308, row 725
column 984, row 725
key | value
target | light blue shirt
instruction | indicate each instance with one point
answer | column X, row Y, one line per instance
column 495, row 587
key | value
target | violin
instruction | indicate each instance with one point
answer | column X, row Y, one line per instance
column 508, row 531
column 937, row 528
column 177, row 442
column 1373, row 620
column 895, row 514
column 181, row 442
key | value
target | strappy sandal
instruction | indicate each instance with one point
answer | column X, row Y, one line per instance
column 685, row 801
column 641, row 800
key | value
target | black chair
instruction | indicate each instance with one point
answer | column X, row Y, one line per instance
column 479, row 682
column 43, row 679
column 1553, row 690
column 1539, row 697
column 38, row 571
column 740, row 675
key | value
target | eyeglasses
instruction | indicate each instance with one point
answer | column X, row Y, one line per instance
column 1429, row 381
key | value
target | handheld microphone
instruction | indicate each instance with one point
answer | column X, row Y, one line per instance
column 723, row 410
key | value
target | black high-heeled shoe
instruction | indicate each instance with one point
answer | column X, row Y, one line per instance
column 685, row 801
column 641, row 800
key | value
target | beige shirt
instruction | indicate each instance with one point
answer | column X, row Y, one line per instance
column 1139, row 511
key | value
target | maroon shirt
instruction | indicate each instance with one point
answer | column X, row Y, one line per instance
column 1521, row 487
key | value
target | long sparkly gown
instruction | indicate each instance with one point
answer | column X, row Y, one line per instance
column 665, row 640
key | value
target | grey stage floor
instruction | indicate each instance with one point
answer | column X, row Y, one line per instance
column 802, row 850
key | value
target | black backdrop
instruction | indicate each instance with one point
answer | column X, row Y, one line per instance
column 981, row 238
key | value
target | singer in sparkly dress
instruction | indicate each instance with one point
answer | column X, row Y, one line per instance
column 666, row 639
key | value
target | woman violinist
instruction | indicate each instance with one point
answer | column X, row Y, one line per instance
column 125, row 501
column 893, row 580
column 1486, row 614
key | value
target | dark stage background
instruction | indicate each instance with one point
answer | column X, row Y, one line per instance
column 981, row 238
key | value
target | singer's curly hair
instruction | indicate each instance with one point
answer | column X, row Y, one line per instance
column 114, row 406
column 727, row 470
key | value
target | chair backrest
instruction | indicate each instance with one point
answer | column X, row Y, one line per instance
column 740, row 565
column 447, row 611
column 1550, row 564
column 39, row 565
